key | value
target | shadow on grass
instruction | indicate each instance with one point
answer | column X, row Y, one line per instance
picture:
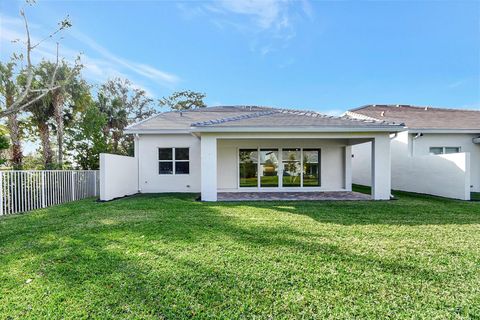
column 408, row 209
column 169, row 256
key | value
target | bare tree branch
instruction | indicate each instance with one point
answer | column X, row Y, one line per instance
column 20, row 102
column 65, row 23
column 29, row 68
column 27, row 104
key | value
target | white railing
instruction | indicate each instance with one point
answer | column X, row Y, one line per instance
column 27, row 190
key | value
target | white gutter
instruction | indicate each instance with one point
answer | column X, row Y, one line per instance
column 157, row 131
column 435, row 130
column 194, row 130
column 391, row 129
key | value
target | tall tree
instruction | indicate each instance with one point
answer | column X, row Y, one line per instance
column 71, row 93
column 8, row 90
column 183, row 100
column 123, row 103
column 134, row 100
column 42, row 113
column 116, row 121
column 86, row 139
column 4, row 145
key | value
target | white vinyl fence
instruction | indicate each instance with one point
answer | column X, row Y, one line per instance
column 27, row 190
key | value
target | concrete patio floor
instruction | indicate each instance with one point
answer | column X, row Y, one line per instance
column 298, row 196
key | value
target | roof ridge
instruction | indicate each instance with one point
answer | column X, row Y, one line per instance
column 426, row 108
column 272, row 110
column 319, row 114
column 235, row 118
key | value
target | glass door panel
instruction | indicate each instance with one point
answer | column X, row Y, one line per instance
column 311, row 167
column 248, row 168
column 268, row 168
column 291, row 168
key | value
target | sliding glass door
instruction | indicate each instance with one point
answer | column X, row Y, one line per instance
column 268, row 168
column 248, row 168
column 279, row 168
column 311, row 167
column 292, row 169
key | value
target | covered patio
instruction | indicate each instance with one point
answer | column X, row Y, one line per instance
column 267, row 166
column 293, row 196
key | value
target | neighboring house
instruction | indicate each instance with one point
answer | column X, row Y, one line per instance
column 247, row 148
column 439, row 153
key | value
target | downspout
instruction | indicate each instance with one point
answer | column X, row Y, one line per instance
column 395, row 134
column 137, row 155
column 418, row 135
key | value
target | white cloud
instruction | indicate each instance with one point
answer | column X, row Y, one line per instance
column 307, row 9
column 262, row 15
column 144, row 70
column 100, row 64
column 265, row 13
column 456, row 84
column 268, row 24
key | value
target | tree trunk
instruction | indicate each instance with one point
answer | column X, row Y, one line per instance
column 44, row 132
column 58, row 101
column 15, row 135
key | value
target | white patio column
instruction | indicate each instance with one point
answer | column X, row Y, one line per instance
column 348, row 168
column 381, row 168
column 208, row 164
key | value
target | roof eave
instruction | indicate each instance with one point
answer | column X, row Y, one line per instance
column 300, row 129
column 157, row 131
column 442, row 130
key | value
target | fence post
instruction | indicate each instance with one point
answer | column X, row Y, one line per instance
column 94, row 183
column 73, row 186
column 1, row 193
column 43, row 189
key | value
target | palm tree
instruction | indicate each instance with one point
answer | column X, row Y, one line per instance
column 42, row 112
column 117, row 120
column 70, row 91
column 8, row 88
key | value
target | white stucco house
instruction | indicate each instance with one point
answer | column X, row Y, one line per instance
column 230, row 149
column 438, row 153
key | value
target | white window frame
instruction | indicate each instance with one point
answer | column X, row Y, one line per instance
column 174, row 161
column 280, row 168
column 443, row 150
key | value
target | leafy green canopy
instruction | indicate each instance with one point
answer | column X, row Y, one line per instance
column 183, row 100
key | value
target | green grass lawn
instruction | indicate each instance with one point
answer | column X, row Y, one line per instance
column 155, row 257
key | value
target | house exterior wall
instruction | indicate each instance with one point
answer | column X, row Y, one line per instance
column 332, row 166
column 118, row 176
column 150, row 181
column 464, row 141
column 336, row 162
column 413, row 169
column 332, row 170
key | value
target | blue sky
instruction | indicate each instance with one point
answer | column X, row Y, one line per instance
column 323, row 55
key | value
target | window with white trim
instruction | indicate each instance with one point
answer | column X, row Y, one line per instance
column 173, row 161
column 444, row 150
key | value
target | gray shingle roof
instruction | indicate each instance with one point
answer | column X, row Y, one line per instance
column 416, row 117
column 248, row 116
